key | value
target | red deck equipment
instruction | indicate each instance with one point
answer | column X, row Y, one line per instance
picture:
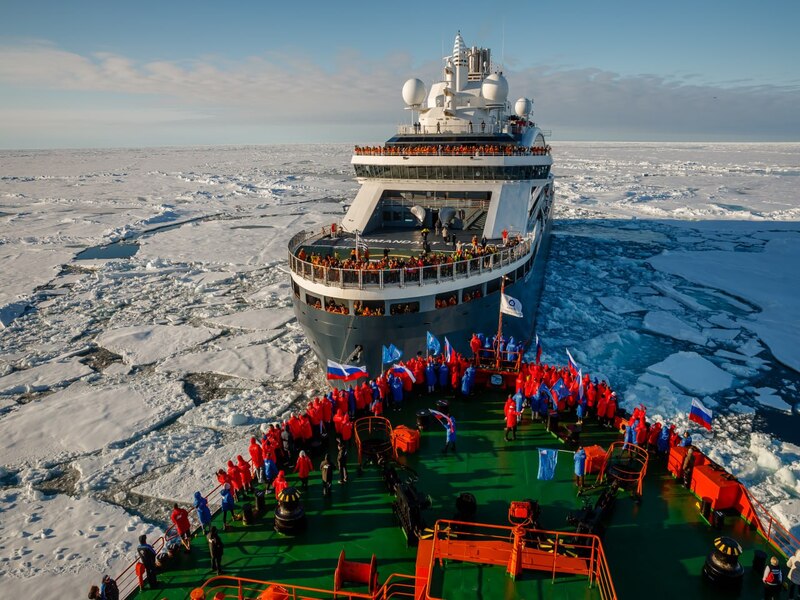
column 348, row 571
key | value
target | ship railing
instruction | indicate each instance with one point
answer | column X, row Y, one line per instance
column 128, row 580
column 459, row 128
column 409, row 276
column 772, row 529
column 552, row 552
column 240, row 588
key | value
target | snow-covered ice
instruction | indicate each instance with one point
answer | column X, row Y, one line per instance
column 671, row 275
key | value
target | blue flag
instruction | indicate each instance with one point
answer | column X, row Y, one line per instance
column 434, row 347
column 560, row 389
column 547, row 464
column 391, row 354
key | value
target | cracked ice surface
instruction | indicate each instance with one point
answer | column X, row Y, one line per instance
column 642, row 229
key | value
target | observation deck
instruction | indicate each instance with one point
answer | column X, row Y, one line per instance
column 494, row 259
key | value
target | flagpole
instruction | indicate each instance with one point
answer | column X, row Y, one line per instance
column 500, row 323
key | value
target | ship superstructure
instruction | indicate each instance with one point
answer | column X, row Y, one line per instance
column 455, row 202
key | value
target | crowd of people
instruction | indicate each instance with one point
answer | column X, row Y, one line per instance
column 452, row 150
column 549, row 392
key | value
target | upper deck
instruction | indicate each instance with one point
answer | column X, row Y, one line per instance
column 658, row 545
column 309, row 258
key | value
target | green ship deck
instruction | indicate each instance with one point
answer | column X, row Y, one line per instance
column 655, row 548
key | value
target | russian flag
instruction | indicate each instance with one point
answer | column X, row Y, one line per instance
column 700, row 414
column 573, row 366
column 449, row 352
column 538, row 350
column 345, row 372
column 404, row 370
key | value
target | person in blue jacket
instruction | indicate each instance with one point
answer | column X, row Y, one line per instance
column 519, row 400
column 449, row 424
column 687, row 440
column 663, row 441
column 580, row 411
column 580, row 467
column 397, row 392
column 467, row 380
column 430, row 376
column 444, row 376
column 228, row 504
column 203, row 512
column 270, row 472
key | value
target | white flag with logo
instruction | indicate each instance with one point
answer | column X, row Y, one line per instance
column 510, row 306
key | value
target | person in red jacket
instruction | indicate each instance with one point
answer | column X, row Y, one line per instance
column 256, row 458
column 235, row 478
column 303, row 468
column 180, row 518
column 611, row 410
column 244, row 473
column 511, row 419
column 347, row 430
column 280, row 484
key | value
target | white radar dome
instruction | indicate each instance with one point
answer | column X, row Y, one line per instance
column 495, row 88
column 413, row 92
column 522, row 107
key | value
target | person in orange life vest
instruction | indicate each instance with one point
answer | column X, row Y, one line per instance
column 611, row 410
column 247, row 475
column 641, row 433
column 306, row 432
column 337, row 421
column 511, row 419
column 674, row 438
column 377, row 407
column 280, row 484
column 327, row 410
column 347, row 430
column 303, row 468
column 223, row 478
column 180, row 518
column 383, row 387
column 419, row 371
column 314, row 413
column 652, row 437
column 475, row 344
column 602, row 403
column 235, row 478
column 256, row 458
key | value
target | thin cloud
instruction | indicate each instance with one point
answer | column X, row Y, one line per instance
column 281, row 90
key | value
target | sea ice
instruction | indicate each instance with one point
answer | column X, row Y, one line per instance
column 146, row 344
column 255, row 363
column 767, row 397
column 44, row 377
column 693, row 373
column 97, row 416
column 79, row 540
column 667, row 324
column 620, row 305
column 255, row 319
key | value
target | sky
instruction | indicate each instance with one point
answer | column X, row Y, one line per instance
column 113, row 74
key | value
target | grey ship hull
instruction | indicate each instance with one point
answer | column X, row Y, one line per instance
column 334, row 336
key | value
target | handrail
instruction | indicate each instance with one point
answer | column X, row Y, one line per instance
column 418, row 276
column 636, row 455
column 397, row 585
column 590, row 561
column 128, row 580
column 773, row 530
